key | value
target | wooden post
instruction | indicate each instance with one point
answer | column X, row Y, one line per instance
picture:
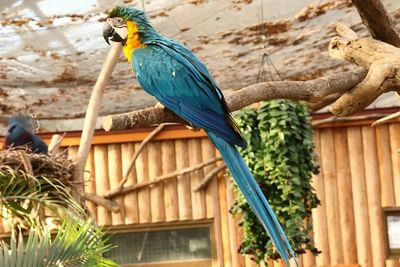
column 170, row 186
column 198, row 198
column 157, row 190
column 93, row 110
column 345, row 195
column 233, row 245
column 363, row 239
column 319, row 214
column 184, row 197
column 130, row 199
column 374, row 197
column 115, row 176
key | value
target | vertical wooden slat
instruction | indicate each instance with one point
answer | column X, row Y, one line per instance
column 394, row 133
column 115, row 175
column 102, row 181
column 385, row 167
column 90, row 182
column 360, row 200
column 198, row 198
column 184, row 195
column 212, row 201
column 374, row 197
column 239, row 237
column 232, row 225
column 157, row 191
column 130, row 199
column 170, row 187
column 331, row 196
column 345, row 195
column 319, row 214
column 223, row 205
column 142, row 172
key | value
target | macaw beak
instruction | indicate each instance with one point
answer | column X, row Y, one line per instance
column 110, row 34
column 107, row 32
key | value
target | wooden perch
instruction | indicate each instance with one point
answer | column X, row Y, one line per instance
column 132, row 163
column 313, row 91
column 93, row 111
column 163, row 178
column 383, row 62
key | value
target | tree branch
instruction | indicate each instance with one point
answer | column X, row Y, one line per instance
column 311, row 91
column 377, row 21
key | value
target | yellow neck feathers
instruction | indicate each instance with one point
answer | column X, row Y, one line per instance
column 132, row 41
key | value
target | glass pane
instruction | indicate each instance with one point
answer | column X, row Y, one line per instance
column 162, row 245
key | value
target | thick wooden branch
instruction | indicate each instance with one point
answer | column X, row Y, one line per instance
column 377, row 21
column 381, row 59
column 311, row 91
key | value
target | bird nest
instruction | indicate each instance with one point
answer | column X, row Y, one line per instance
column 52, row 167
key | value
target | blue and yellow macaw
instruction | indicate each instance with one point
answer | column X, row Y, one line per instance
column 169, row 71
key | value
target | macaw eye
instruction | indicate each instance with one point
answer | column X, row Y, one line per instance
column 119, row 20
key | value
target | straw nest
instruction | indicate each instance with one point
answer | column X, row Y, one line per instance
column 52, row 167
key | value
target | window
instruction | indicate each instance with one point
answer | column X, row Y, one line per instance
column 392, row 224
column 183, row 245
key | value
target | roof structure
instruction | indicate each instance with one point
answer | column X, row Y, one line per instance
column 51, row 51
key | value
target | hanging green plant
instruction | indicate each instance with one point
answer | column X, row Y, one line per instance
column 281, row 157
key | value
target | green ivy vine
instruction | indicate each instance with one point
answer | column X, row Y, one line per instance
column 281, row 157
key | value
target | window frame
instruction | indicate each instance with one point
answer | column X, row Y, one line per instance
column 176, row 225
column 390, row 253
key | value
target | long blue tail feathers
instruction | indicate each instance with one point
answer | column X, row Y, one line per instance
column 255, row 197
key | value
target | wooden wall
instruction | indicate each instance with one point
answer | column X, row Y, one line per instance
column 360, row 174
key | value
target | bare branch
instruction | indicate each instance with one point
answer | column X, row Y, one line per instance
column 311, row 91
column 163, row 178
column 377, row 21
column 386, row 119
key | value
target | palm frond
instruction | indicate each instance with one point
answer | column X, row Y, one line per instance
column 23, row 196
column 76, row 243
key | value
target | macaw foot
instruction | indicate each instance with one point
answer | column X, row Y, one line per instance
column 192, row 127
column 159, row 105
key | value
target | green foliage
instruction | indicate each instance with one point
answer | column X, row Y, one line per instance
column 281, row 157
column 76, row 243
column 28, row 200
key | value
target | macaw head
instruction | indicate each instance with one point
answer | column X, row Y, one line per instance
column 128, row 26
